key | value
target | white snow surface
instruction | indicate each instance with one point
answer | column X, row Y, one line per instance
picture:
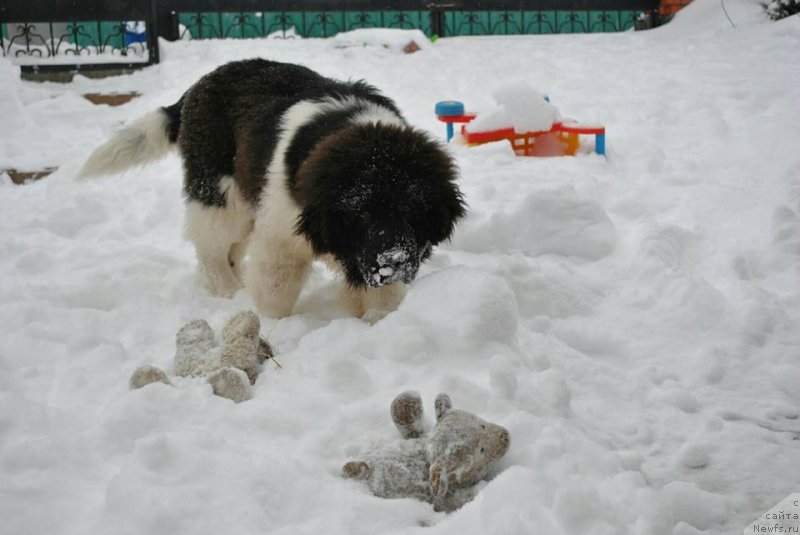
column 633, row 321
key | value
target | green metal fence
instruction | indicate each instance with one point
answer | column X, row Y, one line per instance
column 286, row 24
column 86, row 33
column 537, row 22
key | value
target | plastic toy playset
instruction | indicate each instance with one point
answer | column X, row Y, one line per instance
column 565, row 133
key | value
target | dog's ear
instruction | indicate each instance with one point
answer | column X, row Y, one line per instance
column 451, row 210
column 447, row 205
column 312, row 224
column 311, row 192
column 428, row 161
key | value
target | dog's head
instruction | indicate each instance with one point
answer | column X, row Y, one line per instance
column 378, row 198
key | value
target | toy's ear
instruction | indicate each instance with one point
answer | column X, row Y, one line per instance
column 407, row 414
column 356, row 470
column 442, row 405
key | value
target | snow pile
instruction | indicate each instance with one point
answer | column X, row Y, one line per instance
column 288, row 33
column 484, row 312
column 547, row 222
column 632, row 321
column 394, row 41
column 704, row 17
column 518, row 106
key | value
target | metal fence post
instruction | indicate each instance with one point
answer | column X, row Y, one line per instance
column 174, row 33
column 152, row 33
column 437, row 19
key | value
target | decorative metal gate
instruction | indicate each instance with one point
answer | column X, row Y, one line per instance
column 97, row 34
column 55, row 35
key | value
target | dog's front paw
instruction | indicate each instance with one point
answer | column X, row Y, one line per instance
column 220, row 285
column 374, row 315
column 374, row 304
column 270, row 304
column 225, row 290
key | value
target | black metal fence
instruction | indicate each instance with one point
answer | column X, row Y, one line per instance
column 95, row 34
column 80, row 34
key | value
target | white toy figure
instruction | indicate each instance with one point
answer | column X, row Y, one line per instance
column 441, row 467
column 230, row 367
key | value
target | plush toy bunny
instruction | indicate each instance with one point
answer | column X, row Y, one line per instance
column 440, row 467
column 230, row 367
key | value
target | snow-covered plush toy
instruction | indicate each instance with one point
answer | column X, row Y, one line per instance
column 231, row 367
column 440, row 467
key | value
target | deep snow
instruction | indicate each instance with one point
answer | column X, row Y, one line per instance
column 632, row 321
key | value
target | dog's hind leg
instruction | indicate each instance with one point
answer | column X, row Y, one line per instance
column 213, row 241
column 216, row 232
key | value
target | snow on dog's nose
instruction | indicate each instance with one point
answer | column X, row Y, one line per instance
column 396, row 264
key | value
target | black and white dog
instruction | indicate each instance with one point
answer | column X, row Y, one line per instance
column 285, row 165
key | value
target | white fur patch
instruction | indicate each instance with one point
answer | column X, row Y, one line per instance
column 378, row 114
column 280, row 260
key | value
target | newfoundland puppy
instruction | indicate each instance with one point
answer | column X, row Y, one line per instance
column 284, row 165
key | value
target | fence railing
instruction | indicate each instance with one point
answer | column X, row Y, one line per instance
column 74, row 35
column 288, row 25
column 58, row 35
column 291, row 24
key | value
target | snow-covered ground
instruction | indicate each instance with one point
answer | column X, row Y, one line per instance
column 634, row 322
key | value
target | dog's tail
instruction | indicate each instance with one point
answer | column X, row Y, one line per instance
column 145, row 140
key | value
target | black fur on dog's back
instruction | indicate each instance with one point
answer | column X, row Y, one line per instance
column 228, row 121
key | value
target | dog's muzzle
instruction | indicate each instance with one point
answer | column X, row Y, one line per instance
column 394, row 265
